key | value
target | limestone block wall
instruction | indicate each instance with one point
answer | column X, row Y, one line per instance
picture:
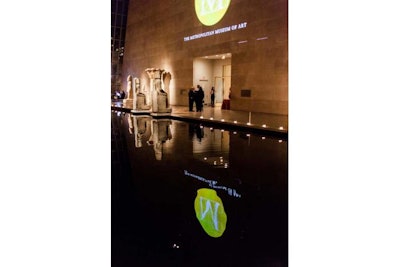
column 156, row 34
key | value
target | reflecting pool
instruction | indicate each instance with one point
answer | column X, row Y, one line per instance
column 185, row 194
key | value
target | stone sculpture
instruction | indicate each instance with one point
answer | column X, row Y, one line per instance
column 128, row 90
column 159, row 98
column 139, row 99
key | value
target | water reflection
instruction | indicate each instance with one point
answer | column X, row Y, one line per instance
column 138, row 126
column 160, row 133
column 210, row 145
column 196, row 129
column 157, row 130
column 210, row 212
column 158, row 168
column 213, row 184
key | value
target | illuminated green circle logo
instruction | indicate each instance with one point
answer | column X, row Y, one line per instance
column 210, row 12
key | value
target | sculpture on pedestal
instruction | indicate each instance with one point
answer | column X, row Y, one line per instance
column 159, row 98
column 139, row 99
column 128, row 90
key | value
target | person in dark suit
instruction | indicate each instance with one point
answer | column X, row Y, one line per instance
column 191, row 98
column 199, row 97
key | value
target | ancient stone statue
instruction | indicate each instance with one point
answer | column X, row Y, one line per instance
column 139, row 99
column 159, row 97
column 128, row 90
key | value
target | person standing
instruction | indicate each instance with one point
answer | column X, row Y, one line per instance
column 212, row 93
column 199, row 98
column 122, row 94
column 191, row 98
column 196, row 97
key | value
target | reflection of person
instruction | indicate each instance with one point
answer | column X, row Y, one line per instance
column 191, row 98
column 199, row 132
column 196, row 129
column 212, row 93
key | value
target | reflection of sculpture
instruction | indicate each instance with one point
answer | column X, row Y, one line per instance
column 160, row 132
column 210, row 212
column 138, row 127
column 140, row 123
column 139, row 99
column 159, row 98
column 128, row 89
column 130, row 123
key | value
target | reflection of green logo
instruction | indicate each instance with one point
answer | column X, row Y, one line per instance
column 210, row 212
column 210, row 12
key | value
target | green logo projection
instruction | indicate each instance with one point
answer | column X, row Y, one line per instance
column 209, row 12
column 210, row 212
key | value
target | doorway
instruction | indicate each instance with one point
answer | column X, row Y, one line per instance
column 213, row 71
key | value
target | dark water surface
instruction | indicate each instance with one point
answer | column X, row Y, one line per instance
column 160, row 219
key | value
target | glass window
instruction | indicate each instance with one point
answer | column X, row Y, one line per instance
column 116, row 45
column 113, row 32
column 121, row 21
column 117, row 33
column 126, row 4
column 112, row 18
column 120, row 8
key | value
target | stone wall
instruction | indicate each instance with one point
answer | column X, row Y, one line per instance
column 155, row 39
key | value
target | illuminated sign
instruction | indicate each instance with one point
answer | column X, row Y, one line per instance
column 209, row 12
column 210, row 212
column 230, row 28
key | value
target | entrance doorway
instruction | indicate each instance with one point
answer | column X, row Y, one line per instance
column 213, row 71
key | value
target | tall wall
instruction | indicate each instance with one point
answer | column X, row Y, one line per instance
column 155, row 38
